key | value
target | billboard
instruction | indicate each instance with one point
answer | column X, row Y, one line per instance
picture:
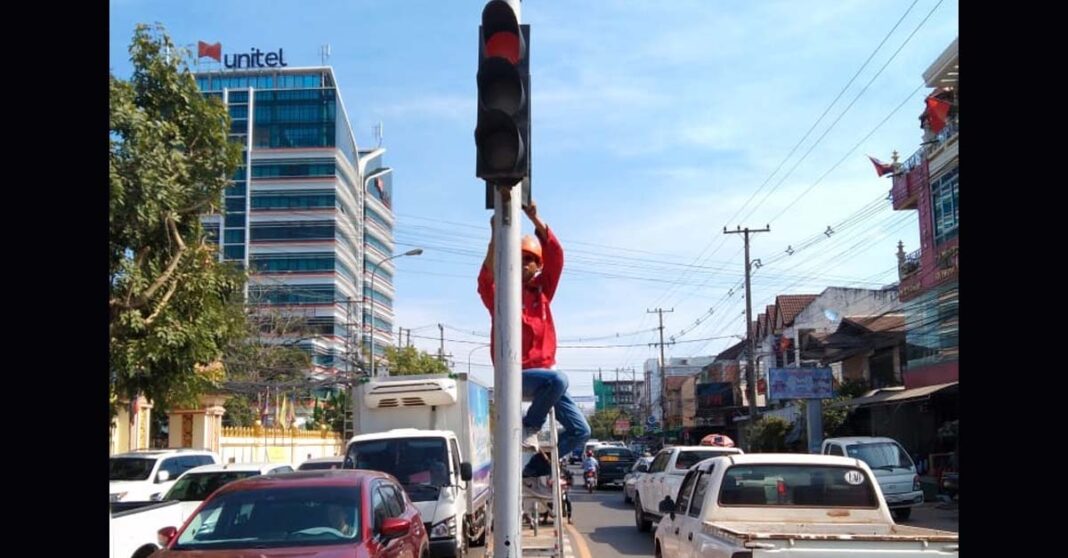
column 715, row 394
column 801, row 383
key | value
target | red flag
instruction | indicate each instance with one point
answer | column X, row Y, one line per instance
column 937, row 113
column 880, row 167
column 211, row 51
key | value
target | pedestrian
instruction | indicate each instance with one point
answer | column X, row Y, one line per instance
column 542, row 265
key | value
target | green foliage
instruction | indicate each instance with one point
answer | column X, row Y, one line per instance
column 240, row 411
column 853, row 388
column 330, row 411
column 408, row 361
column 767, row 434
column 834, row 418
column 173, row 307
column 603, row 423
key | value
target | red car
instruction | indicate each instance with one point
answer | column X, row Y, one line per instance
column 323, row 514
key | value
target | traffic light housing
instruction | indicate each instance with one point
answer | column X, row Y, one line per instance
column 502, row 132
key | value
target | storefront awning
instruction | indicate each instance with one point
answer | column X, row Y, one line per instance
column 890, row 396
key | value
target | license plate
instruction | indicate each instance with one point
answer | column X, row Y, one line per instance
column 610, row 458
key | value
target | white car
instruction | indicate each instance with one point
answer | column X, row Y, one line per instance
column 197, row 484
column 319, row 463
column 893, row 468
column 143, row 475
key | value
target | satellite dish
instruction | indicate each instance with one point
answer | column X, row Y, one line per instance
column 831, row 315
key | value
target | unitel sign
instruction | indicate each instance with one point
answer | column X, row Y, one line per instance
column 255, row 58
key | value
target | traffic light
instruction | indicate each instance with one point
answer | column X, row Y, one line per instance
column 502, row 134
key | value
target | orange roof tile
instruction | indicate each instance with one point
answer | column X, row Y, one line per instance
column 792, row 305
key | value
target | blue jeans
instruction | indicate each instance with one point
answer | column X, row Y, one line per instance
column 548, row 389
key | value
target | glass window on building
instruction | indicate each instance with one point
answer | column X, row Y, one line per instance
column 932, row 320
column 944, row 206
column 234, row 252
column 290, row 231
column 380, row 187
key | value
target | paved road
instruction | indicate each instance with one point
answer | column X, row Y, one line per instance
column 606, row 525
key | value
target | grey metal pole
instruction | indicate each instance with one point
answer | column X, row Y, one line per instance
column 371, row 346
column 814, row 410
column 508, row 431
column 374, row 272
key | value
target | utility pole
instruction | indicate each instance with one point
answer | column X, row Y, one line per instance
column 441, row 349
column 409, row 343
column 663, row 377
column 615, row 391
column 750, row 373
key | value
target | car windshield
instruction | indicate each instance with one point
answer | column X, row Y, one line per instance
column 420, row 464
column 817, row 486
column 275, row 517
column 690, row 457
column 130, row 468
column 196, row 487
column 881, row 455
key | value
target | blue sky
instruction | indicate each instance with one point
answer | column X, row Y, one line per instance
column 655, row 124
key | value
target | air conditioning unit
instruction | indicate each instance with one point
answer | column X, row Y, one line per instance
column 410, row 393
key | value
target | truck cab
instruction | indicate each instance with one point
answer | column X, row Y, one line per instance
column 892, row 465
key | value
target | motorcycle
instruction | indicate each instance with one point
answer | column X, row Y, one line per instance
column 565, row 488
column 591, row 480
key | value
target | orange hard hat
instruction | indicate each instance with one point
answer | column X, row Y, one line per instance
column 531, row 246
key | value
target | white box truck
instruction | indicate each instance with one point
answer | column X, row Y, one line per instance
column 431, row 432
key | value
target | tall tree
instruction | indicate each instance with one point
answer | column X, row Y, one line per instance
column 173, row 307
column 409, row 361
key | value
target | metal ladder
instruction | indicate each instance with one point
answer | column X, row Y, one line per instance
column 533, row 544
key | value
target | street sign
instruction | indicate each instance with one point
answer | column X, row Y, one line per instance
column 621, row 426
column 651, row 421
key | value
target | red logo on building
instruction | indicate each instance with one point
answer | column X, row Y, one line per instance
column 211, row 51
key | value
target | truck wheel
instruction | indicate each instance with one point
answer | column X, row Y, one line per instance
column 626, row 497
column 640, row 521
column 901, row 514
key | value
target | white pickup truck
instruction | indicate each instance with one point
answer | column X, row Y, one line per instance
column 782, row 505
column 664, row 477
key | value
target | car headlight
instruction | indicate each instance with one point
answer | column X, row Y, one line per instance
column 118, row 496
column 444, row 529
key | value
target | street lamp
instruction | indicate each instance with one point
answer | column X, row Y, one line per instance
column 374, row 272
column 472, row 351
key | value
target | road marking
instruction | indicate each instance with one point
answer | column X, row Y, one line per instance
column 583, row 551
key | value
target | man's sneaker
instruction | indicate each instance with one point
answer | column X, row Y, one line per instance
column 535, row 487
column 530, row 440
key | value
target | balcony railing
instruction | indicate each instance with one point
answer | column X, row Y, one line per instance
column 910, row 265
column 909, row 180
column 949, row 131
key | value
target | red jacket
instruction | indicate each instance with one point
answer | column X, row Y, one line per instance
column 539, row 332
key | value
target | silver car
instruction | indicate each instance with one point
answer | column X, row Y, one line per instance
column 639, row 468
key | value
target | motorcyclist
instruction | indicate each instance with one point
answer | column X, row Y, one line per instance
column 590, row 464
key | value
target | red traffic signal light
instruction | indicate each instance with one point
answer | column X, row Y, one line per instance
column 502, row 133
